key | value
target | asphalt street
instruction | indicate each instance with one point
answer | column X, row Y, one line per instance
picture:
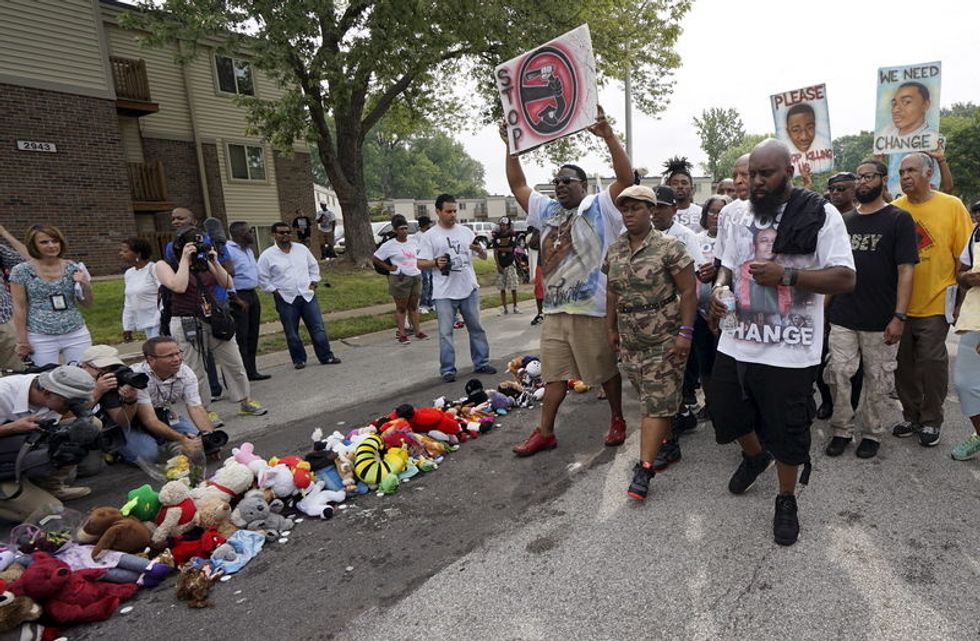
column 494, row 547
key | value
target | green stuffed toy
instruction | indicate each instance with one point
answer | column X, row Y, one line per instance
column 143, row 503
column 389, row 484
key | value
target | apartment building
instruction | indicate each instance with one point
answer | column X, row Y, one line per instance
column 102, row 137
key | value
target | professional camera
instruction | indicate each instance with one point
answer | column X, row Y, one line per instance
column 69, row 442
column 126, row 376
column 200, row 258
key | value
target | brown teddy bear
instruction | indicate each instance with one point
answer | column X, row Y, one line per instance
column 108, row 529
column 15, row 610
column 215, row 512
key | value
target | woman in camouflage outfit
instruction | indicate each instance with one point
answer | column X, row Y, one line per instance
column 650, row 308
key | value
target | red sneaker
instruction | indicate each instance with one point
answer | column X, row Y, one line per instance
column 535, row 443
column 617, row 432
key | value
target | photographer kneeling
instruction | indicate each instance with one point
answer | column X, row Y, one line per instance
column 155, row 423
column 35, row 451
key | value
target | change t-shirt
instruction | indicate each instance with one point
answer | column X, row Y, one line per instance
column 576, row 285
column 880, row 243
column 943, row 226
column 778, row 326
column 455, row 242
column 402, row 255
column 690, row 217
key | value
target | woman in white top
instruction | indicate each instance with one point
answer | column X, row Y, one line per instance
column 399, row 256
column 141, row 310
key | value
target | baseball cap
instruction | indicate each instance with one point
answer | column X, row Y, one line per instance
column 100, row 356
column 504, row 220
column 475, row 392
column 637, row 192
column 842, row 176
column 68, row 381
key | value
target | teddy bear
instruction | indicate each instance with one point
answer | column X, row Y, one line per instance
column 70, row 597
column 254, row 513
column 178, row 513
column 278, row 479
column 108, row 529
column 196, row 543
column 317, row 501
column 215, row 512
column 194, row 584
column 230, row 481
column 302, row 470
column 15, row 610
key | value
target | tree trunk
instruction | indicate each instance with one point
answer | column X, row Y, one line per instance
column 352, row 195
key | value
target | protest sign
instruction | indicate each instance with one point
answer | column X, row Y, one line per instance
column 803, row 123
column 907, row 111
column 550, row 92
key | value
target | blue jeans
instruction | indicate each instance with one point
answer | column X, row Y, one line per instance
column 469, row 307
column 289, row 315
column 141, row 445
column 425, row 300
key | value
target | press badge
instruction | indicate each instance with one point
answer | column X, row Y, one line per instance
column 58, row 303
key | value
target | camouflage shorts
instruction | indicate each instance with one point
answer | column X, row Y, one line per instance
column 656, row 380
column 508, row 278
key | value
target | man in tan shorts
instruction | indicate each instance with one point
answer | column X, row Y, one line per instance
column 576, row 228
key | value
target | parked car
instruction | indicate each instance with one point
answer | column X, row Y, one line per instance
column 384, row 232
column 483, row 231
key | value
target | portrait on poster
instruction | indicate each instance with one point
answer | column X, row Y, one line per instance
column 802, row 121
column 907, row 110
column 550, row 92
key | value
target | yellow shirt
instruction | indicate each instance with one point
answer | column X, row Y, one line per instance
column 943, row 226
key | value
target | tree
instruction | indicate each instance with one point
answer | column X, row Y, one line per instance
column 961, row 126
column 850, row 150
column 719, row 130
column 726, row 161
column 344, row 65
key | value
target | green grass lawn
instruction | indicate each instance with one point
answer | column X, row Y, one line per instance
column 349, row 289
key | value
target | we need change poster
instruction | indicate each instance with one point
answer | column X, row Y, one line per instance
column 907, row 111
column 802, row 121
column 549, row 92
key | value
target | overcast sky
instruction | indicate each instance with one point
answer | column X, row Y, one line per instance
column 779, row 46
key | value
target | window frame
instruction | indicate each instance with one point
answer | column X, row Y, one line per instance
column 246, row 144
column 217, row 76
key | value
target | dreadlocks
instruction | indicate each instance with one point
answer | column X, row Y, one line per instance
column 677, row 165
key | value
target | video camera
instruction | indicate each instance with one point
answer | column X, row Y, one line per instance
column 199, row 260
column 70, row 442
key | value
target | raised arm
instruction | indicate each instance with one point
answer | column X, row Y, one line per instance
column 622, row 166
column 515, row 173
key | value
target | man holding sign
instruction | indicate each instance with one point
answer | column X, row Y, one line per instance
column 576, row 229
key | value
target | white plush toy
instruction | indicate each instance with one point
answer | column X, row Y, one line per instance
column 230, row 481
column 317, row 501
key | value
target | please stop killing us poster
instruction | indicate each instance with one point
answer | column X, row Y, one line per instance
column 550, row 92
column 802, row 121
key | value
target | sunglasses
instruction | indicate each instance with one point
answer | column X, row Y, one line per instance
column 565, row 180
column 868, row 177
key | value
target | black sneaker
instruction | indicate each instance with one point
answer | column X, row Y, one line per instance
column 640, row 484
column 689, row 399
column 906, row 429
column 669, row 453
column 785, row 524
column 837, row 445
column 748, row 471
column 929, row 436
column 449, row 378
column 867, row 448
column 486, row 369
column 537, row 319
column 684, row 422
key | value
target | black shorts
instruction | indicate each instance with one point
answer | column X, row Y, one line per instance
column 775, row 402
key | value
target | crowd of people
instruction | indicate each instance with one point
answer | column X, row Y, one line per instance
column 755, row 295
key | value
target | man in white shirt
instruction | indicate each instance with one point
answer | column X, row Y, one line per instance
column 449, row 248
column 289, row 271
column 762, row 381
column 679, row 179
column 326, row 222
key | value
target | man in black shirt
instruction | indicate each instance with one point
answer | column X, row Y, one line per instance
column 867, row 324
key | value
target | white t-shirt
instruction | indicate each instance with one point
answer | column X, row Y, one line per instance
column 577, row 285
column 14, row 403
column 690, row 218
column 402, row 255
column 778, row 326
column 140, row 308
column 326, row 220
column 733, row 210
column 439, row 241
column 690, row 240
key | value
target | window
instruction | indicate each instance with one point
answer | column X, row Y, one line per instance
column 234, row 76
column 462, row 206
column 247, row 162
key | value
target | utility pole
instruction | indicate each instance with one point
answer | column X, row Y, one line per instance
column 629, row 117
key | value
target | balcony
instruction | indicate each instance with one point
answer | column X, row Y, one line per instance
column 148, row 186
column 132, row 87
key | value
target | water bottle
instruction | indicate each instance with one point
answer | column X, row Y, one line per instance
column 729, row 322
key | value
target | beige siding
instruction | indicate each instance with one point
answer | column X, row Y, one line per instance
column 129, row 129
column 53, row 44
column 173, row 121
column 257, row 202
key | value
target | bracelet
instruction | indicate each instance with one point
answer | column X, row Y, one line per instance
column 688, row 327
column 686, row 337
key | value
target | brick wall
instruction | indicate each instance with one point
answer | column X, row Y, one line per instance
column 83, row 188
column 179, row 160
column 294, row 182
column 215, row 192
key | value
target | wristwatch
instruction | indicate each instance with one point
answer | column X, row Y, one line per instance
column 790, row 276
column 900, row 316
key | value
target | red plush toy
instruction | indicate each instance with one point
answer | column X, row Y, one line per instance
column 185, row 548
column 425, row 419
column 302, row 472
column 70, row 597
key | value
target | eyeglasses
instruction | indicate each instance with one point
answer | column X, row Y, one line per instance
column 170, row 355
column 838, row 188
column 869, row 176
column 565, row 180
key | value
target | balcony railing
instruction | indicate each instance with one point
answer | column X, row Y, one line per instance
column 147, row 182
column 129, row 77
